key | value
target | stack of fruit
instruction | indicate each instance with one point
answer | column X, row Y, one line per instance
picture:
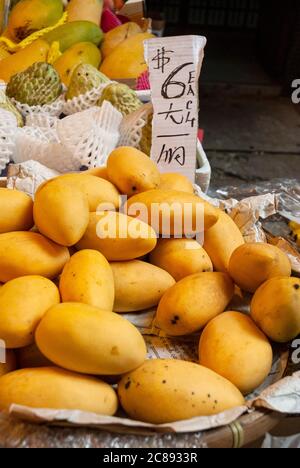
column 67, row 281
column 37, row 31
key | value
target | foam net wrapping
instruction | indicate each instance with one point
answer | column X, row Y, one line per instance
column 8, row 131
column 131, row 130
column 55, row 108
column 84, row 101
column 82, row 140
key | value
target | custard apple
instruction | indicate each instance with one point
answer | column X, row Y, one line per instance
column 6, row 104
column 40, row 84
column 121, row 97
column 84, row 78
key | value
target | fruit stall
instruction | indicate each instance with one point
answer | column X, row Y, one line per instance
column 138, row 306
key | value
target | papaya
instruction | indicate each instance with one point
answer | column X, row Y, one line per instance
column 221, row 240
column 127, row 59
column 116, row 36
column 83, row 52
column 87, row 10
column 23, row 59
column 29, row 16
column 70, row 34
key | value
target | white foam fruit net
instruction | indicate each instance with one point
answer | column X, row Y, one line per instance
column 84, row 139
column 55, row 108
column 84, row 101
column 131, row 130
column 8, row 130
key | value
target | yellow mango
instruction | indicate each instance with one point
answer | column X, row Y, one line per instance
column 37, row 51
column 275, row 308
column 232, row 346
column 117, row 236
column 82, row 52
column 252, row 264
column 97, row 190
column 54, row 388
column 127, row 59
column 88, row 278
column 30, row 356
column 180, row 257
column 174, row 181
column 16, row 211
column 61, row 212
column 135, row 276
column 166, row 390
column 85, row 339
column 10, row 364
column 87, row 10
column 131, row 171
column 30, row 16
column 221, row 240
column 98, row 172
column 116, row 36
column 173, row 213
column 23, row 302
column 193, row 302
column 30, row 253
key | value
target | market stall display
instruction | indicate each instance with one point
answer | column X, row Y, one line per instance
column 113, row 314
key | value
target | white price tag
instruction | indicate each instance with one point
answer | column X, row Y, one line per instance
column 174, row 66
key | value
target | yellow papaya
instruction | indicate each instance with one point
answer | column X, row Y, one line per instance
column 29, row 16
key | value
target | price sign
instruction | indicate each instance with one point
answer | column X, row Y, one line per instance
column 174, row 66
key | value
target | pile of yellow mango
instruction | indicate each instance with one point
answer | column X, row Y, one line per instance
column 72, row 262
column 40, row 31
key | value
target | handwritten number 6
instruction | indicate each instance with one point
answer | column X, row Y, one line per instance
column 171, row 82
